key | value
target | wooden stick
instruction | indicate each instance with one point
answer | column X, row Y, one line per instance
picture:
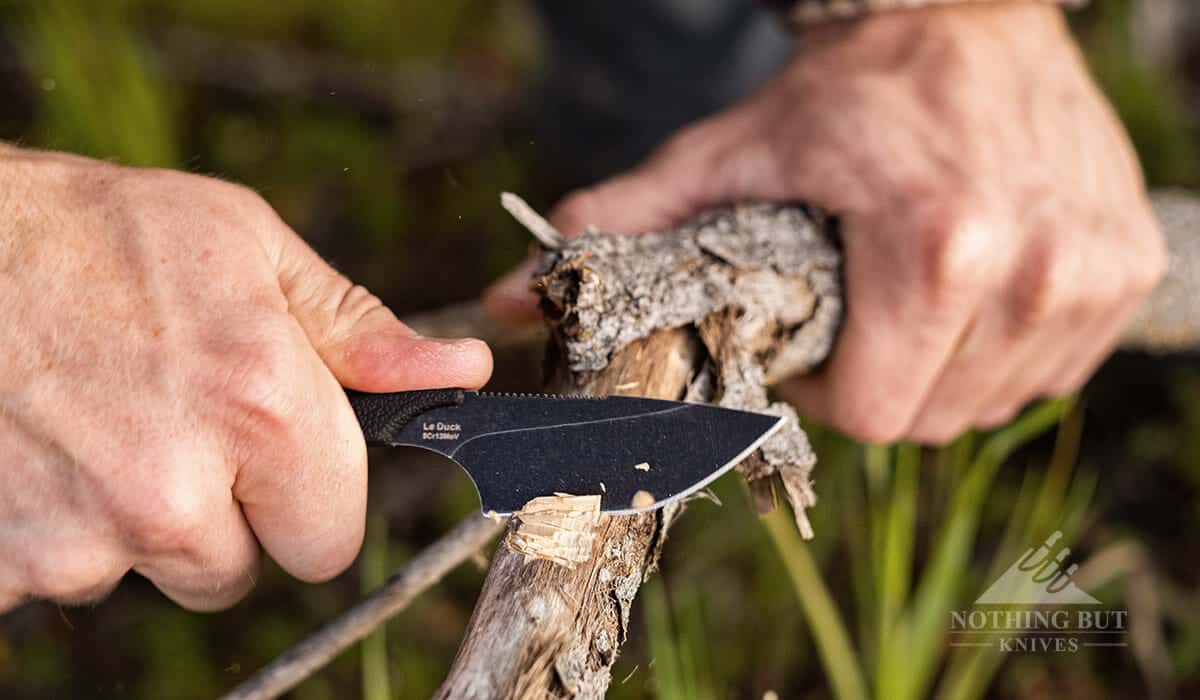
column 701, row 312
column 426, row 569
column 542, row 630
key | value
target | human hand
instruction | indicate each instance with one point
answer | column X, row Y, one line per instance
column 171, row 385
column 996, row 229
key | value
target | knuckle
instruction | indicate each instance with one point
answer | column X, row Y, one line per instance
column 956, row 251
column 350, row 303
column 252, row 388
column 168, row 515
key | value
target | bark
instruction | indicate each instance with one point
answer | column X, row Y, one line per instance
column 704, row 312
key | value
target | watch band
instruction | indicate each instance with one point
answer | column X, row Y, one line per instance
column 807, row 12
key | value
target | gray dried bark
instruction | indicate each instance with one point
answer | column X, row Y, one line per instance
column 706, row 312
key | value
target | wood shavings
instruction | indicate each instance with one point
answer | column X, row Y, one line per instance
column 534, row 222
column 642, row 499
column 642, row 467
column 559, row 528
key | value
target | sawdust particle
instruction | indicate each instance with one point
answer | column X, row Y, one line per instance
column 642, row 499
column 643, row 467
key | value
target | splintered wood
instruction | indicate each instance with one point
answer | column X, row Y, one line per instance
column 559, row 528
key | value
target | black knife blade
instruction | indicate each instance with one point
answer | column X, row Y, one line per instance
column 516, row 447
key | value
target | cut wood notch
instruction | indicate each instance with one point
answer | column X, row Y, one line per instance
column 559, row 528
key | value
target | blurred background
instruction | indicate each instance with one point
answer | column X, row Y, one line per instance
column 383, row 131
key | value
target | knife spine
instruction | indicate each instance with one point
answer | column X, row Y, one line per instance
column 534, row 395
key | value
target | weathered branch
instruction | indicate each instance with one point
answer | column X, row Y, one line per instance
column 542, row 630
column 700, row 312
column 426, row 569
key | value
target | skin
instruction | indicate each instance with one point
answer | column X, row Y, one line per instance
column 996, row 227
column 171, row 387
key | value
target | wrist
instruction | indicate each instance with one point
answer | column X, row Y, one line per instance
column 799, row 14
column 897, row 41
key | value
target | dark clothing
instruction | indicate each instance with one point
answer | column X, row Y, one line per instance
column 623, row 75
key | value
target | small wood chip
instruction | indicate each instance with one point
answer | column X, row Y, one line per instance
column 643, row 467
column 642, row 499
column 603, row 488
column 558, row 528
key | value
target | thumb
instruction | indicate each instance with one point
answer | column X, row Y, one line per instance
column 673, row 184
column 361, row 341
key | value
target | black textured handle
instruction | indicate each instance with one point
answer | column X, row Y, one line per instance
column 382, row 416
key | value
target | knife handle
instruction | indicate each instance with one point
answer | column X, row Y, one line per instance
column 383, row 416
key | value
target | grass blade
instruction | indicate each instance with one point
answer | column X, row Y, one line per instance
column 896, row 567
column 825, row 622
column 374, row 571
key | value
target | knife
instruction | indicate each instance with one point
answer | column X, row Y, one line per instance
column 637, row 454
